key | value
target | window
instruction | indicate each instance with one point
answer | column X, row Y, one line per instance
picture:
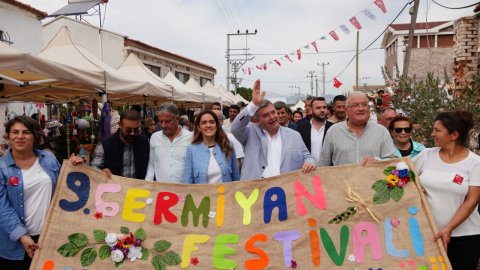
column 154, row 69
column 203, row 81
column 183, row 77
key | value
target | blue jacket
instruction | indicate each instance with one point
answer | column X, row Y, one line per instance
column 198, row 158
column 12, row 225
column 417, row 148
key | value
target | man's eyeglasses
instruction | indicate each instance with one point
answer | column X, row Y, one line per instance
column 132, row 130
column 399, row 130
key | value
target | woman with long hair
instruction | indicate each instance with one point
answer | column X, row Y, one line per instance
column 28, row 177
column 210, row 158
column 450, row 176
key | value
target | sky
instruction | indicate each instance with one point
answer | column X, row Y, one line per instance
column 197, row 29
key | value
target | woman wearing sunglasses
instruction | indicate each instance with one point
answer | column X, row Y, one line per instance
column 401, row 130
column 450, row 176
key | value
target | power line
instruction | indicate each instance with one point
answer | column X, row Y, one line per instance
column 315, row 53
column 455, row 7
column 371, row 43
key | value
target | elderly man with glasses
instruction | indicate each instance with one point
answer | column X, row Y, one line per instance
column 356, row 140
column 126, row 152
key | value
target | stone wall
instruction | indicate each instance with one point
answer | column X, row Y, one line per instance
column 431, row 60
column 466, row 51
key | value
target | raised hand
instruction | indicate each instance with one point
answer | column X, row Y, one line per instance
column 257, row 95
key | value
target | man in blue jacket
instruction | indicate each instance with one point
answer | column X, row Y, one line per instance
column 270, row 149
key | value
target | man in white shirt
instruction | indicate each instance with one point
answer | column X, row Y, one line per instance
column 313, row 132
column 232, row 113
column 270, row 149
column 168, row 147
column 237, row 146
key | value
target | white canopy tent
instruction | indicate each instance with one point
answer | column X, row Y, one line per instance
column 24, row 77
column 240, row 98
column 224, row 91
column 182, row 91
column 226, row 99
column 300, row 105
column 62, row 49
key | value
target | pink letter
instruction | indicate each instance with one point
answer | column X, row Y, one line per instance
column 107, row 209
column 360, row 242
column 318, row 200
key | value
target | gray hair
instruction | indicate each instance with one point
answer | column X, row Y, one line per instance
column 263, row 104
column 356, row 94
column 170, row 108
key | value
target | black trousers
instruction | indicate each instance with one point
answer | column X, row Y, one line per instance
column 17, row 264
column 464, row 252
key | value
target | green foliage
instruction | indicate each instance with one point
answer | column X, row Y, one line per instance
column 380, row 186
column 124, row 230
column 104, row 252
column 389, row 170
column 172, row 258
column 99, row 235
column 79, row 240
column 423, row 100
column 88, row 257
column 140, row 234
column 246, row 93
column 162, row 245
column 158, row 263
column 68, row 250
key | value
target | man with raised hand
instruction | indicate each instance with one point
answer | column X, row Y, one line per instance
column 270, row 149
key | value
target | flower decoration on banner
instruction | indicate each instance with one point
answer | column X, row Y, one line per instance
column 392, row 186
column 351, row 211
column 120, row 247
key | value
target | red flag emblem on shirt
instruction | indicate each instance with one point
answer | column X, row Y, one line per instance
column 336, row 83
column 381, row 5
column 355, row 23
column 299, row 54
column 334, row 35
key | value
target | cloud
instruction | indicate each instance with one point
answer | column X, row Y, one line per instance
column 197, row 29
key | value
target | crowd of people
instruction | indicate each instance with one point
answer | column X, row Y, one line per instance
column 256, row 141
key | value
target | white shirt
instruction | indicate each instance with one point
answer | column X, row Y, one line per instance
column 214, row 174
column 316, row 141
column 274, row 154
column 444, row 195
column 237, row 146
column 227, row 124
column 37, row 188
column 167, row 159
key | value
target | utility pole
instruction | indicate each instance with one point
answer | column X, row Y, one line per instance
column 356, row 59
column 239, row 63
column 413, row 12
column 316, row 86
column 323, row 75
column 311, row 76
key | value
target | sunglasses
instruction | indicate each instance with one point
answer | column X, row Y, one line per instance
column 399, row 130
column 134, row 131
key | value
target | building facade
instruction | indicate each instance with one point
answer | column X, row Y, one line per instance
column 432, row 49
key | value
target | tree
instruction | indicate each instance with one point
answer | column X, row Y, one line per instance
column 246, row 93
column 423, row 100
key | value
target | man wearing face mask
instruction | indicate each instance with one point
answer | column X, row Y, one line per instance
column 126, row 152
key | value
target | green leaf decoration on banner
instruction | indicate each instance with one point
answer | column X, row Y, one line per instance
column 388, row 170
column 381, row 197
column 68, row 250
column 396, row 193
column 104, row 252
column 88, row 257
column 412, row 176
column 162, row 245
column 172, row 258
column 140, row 234
column 118, row 264
column 380, row 186
column 145, row 253
column 78, row 239
column 124, row 230
column 158, row 263
column 99, row 235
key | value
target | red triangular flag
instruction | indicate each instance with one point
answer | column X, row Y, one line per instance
column 314, row 44
column 299, row 54
column 277, row 62
column 249, row 71
column 355, row 23
column 334, row 35
column 288, row 58
column 336, row 83
column 381, row 5
column 265, row 66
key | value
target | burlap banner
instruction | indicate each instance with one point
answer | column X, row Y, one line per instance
column 347, row 217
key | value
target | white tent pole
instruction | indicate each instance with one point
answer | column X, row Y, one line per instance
column 12, row 79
